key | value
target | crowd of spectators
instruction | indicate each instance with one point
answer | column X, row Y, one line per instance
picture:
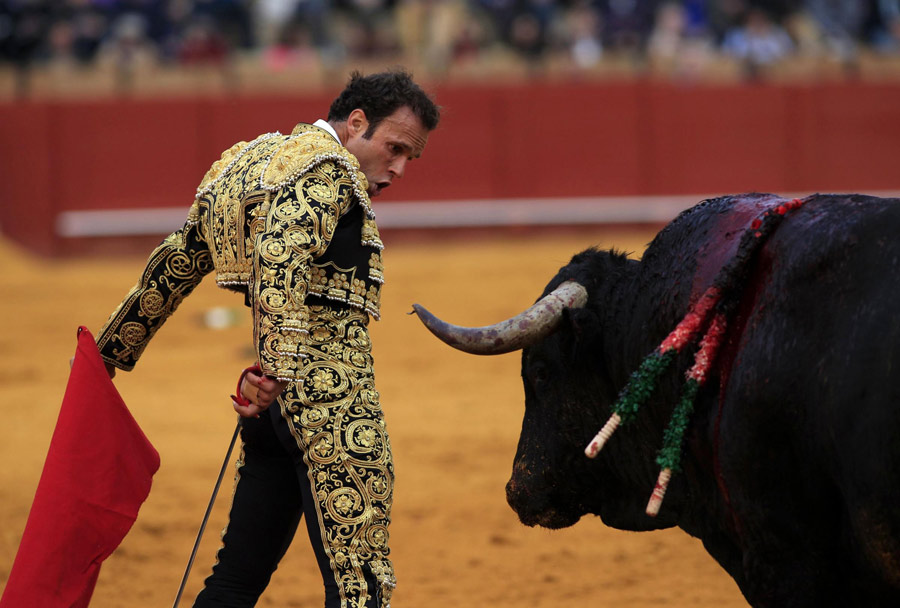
column 440, row 34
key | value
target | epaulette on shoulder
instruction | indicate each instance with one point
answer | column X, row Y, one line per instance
column 302, row 151
column 307, row 147
column 229, row 157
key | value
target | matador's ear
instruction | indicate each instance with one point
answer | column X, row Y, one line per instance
column 357, row 122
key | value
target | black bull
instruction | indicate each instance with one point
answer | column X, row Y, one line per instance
column 790, row 469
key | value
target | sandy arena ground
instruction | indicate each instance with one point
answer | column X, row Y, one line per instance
column 454, row 421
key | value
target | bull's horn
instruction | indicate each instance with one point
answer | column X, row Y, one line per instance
column 518, row 332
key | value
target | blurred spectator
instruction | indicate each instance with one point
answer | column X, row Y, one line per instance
column 627, row 24
column 89, row 25
column 585, row 29
column 840, row 23
column 669, row 32
column 365, row 28
column 271, row 17
column 531, row 27
column 431, row 30
column 313, row 15
column 294, row 48
column 179, row 16
column 24, row 28
column 883, row 25
column 677, row 38
column 760, row 42
column 724, row 16
column 680, row 44
column 574, row 36
column 232, row 18
column 474, row 38
column 60, row 41
column 202, row 43
column 501, row 14
column 128, row 47
column 155, row 23
column 696, row 18
column 76, row 29
column 527, row 36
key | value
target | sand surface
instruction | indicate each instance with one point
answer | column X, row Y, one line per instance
column 454, row 421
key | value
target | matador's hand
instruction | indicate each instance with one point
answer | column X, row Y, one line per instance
column 259, row 392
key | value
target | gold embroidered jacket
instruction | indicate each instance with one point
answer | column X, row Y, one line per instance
column 283, row 219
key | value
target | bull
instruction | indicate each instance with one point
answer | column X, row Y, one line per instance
column 787, row 462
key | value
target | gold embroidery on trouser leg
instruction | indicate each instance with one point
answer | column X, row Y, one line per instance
column 338, row 424
column 384, row 574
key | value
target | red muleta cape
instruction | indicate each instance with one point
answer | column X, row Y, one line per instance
column 96, row 476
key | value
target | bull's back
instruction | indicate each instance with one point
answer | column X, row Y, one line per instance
column 829, row 279
column 814, row 392
column 820, row 318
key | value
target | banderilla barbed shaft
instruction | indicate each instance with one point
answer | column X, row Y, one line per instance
column 209, row 507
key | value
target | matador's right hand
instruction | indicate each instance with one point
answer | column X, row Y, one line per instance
column 256, row 392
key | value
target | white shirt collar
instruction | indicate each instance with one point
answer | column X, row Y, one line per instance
column 322, row 124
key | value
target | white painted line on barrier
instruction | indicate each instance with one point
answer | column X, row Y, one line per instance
column 412, row 215
column 423, row 214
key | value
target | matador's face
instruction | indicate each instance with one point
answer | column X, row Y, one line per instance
column 383, row 155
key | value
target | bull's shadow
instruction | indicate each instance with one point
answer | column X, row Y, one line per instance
column 751, row 354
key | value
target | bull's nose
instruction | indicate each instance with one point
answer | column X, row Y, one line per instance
column 521, row 501
column 515, row 495
column 510, row 489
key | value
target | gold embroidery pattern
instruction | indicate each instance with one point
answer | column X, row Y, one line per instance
column 153, row 302
column 269, row 209
column 227, row 161
column 298, row 228
column 337, row 422
column 236, row 190
column 306, row 147
column 232, row 209
column 342, row 285
column 370, row 235
column 376, row 268
column 384, row 574
column 174, row 269
column 263, row 212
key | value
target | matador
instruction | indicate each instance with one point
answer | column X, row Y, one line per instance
column 287, row 221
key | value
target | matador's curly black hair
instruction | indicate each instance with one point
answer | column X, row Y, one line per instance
column 380, row 95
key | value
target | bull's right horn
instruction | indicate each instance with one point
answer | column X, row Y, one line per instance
column 516, row 333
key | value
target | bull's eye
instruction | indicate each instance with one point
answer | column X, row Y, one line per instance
column 538, row 374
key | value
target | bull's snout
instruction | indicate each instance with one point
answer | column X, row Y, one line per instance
column 533, row 501
column 516, row 496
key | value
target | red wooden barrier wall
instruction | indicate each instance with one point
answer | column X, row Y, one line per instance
column 537, row 140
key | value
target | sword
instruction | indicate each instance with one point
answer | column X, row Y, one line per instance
column 209, row 507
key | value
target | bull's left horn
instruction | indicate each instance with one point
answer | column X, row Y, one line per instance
column 516, row 333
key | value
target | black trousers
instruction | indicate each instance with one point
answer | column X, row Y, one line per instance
column 272, row 493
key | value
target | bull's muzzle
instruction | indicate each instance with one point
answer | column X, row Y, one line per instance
column 515, row 333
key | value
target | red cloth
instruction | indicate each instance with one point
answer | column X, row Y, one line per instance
column 97, row 473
